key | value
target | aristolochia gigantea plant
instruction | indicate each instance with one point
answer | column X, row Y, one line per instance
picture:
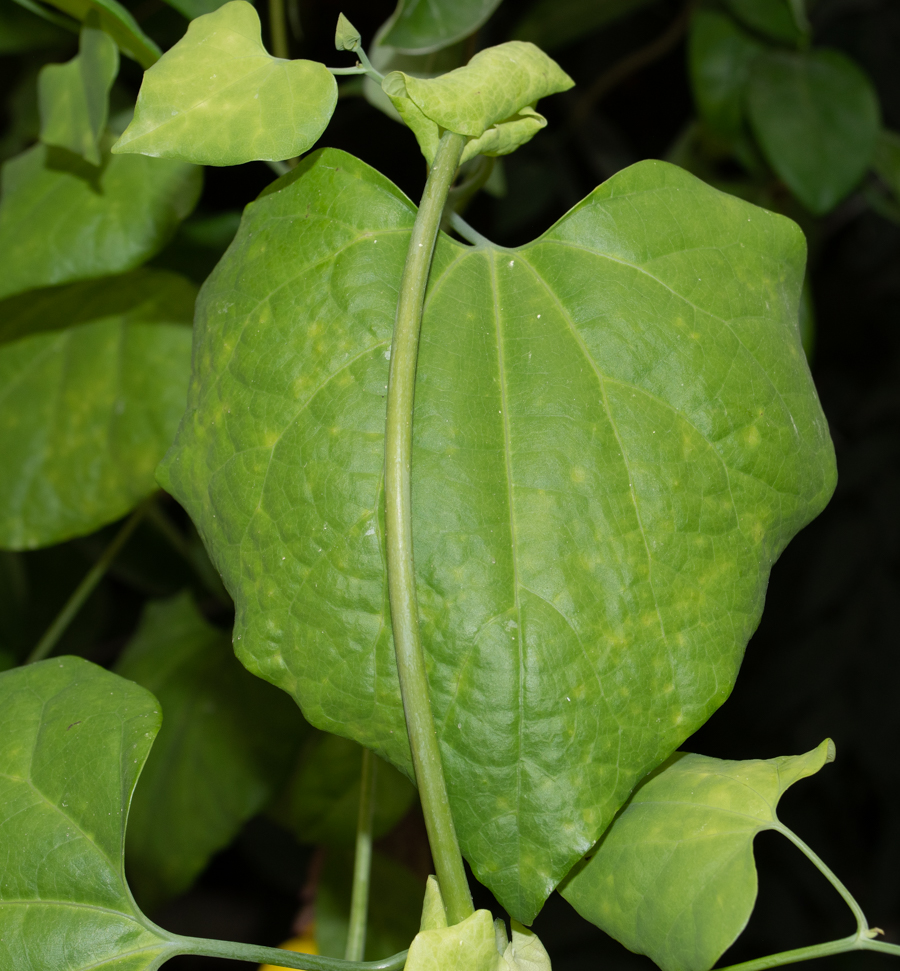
column 503, row 516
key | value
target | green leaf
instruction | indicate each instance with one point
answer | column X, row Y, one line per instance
column 771, row 18
column 62, row 219
column 94, row 377
column 615, row 436
column 346, row 36
column 423, row 26
column 674, row 876
column 225, row 748
column 720, row 55
column 471, row 944
column 195, row 8
column 552, row 24
column 118, row 23
column 491, row 99
column 74, row 97
column 886, row 159
column 321, row 802
column 219, row 98
column 73, row 740
column 816, row 118
column 525, row 952
column 394, row 899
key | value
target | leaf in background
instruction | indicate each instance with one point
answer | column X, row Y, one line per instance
column 886, row 159
column 93, row 378
column 771, row 18
column 816, row 118
column 674, row 876
column 62, row 219
column 219, row 98
column 423, row 26
column 195, row 8
column 552, row 24
column 74, row 97
column 118, row 23
column 225, row 748
column 321, row 801
column 73, row 740
column 395, row 898
column 720, row 55
column 22, row 31
column 615, row 436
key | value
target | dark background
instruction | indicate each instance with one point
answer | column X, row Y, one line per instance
column 824, row 661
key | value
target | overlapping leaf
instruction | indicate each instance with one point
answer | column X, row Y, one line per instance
column 816, row 117
column 424, row 26
column 674, row 876
column 615, row 436
column 219, row 98
column 73, row 740
column 62, row 219
column 93, row 381
column 118, row 23
column 771, row 18
column 224, row 750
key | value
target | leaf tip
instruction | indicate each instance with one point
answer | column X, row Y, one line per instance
column 346, row 36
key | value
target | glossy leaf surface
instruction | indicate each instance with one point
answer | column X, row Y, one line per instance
column 73, row 740
column 321, row 801
column 720, row 56
column 423, row 26
column 615, row 435
column 93, row 381
column 118, row 23
column 816, row 117
column 225, row 748
column 219, row 98
column 74, row 97
column 62, row 219
column 674, row 876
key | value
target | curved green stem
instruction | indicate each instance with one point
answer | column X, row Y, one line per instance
column 851, row 943
column 862, row 924
column 398, row 521
column 278, row 956
column 362, row 862
column 84, row 589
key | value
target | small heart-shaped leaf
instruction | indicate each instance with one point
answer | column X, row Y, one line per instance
column 219, row 98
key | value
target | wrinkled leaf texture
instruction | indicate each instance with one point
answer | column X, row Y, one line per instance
column 615, row 436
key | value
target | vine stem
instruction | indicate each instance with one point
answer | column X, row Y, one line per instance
column 423, row 740
column 277, row 956
column 362, row 861
column 84, row 589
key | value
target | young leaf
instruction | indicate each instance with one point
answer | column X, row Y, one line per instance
column 62, row 219
column 816, row 118
column 720, row 56
column 346, row 37
column 674, row 877
column 224, row 750
column 74, row 97
column 394, row 900
column 116, row 21
column 771, row 18
column 73, row 740
column 219, row 98
column 321, row 801
column 615, row 436
column 94, row 377
column 424, row 26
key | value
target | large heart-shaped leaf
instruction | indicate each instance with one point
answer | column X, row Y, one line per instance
column 73, row 740
column 615, row 436
column 424, row 26
column 816, row 117
column 224, row 750
column 93, row 381
column 219, row 98
column 62, row 219
column 674, row 877
column 74, row 97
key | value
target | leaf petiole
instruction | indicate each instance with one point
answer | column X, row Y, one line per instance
column 420, row 726
column 277, row 956
column 362, row 863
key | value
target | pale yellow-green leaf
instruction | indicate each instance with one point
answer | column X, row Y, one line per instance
column 434, row 916
column 525, row 951
column 469, row 945
column 346, row 36
column 219, row 98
